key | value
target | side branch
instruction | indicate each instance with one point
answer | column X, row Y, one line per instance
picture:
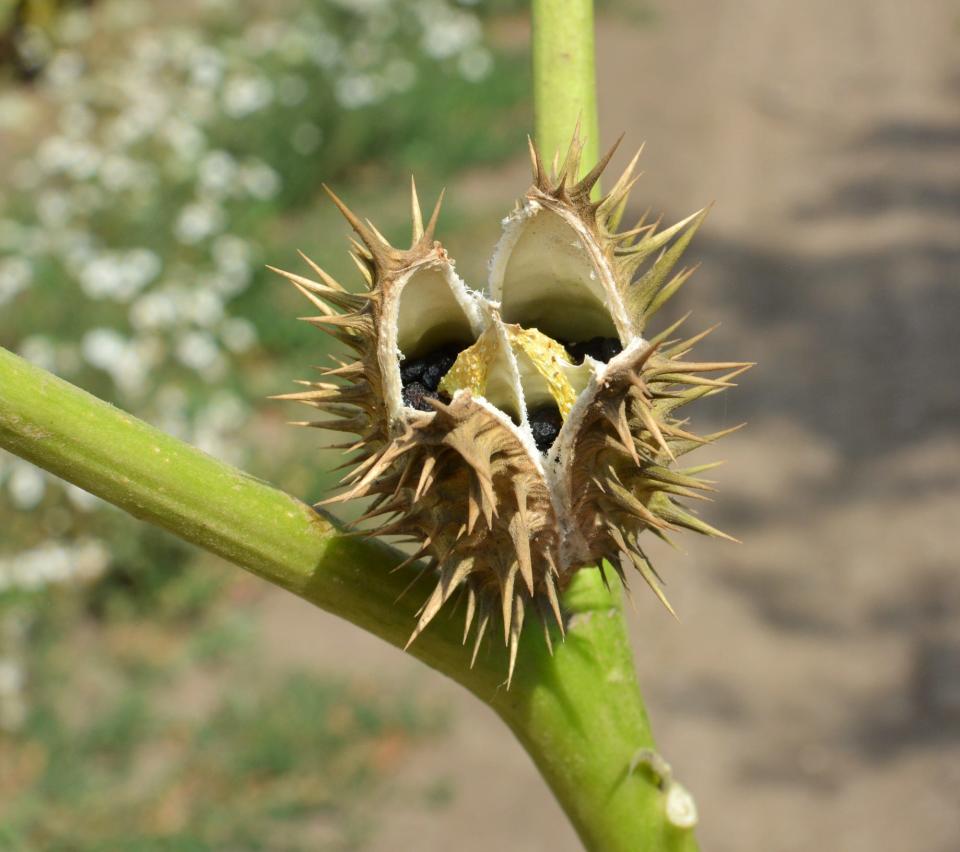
column 577, row 712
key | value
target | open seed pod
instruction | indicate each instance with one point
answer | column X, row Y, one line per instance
column 523, row 433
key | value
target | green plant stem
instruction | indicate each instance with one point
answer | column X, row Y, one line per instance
column 578, row 712
column 564, row 79
column 565, row 97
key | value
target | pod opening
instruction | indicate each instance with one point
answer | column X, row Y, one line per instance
column 545, row 424
column 548, row 281
column 599, row 348
column 430, row 316
column 433, row 328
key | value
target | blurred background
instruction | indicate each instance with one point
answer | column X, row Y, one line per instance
column 156, row 156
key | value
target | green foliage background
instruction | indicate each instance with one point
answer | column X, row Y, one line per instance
column 159, row 157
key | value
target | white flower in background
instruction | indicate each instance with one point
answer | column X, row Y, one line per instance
column 74, row 245
column 400, row 74
column 217, row 173
column 16, row 273
column 85, row 160
column 260, row 180
column 447, row 32
column 154, row 310
column 305, row 138
column 245, row 95
column 197, row 350
column 128, row 133
column 54, row 154
column 200, row 104
column 90, row 557
column 118, row 172
column 216, row 421
column 143, row 355
column 58, row 154
column 362, row 54
column 87, row 198
column 232, row 255
column 53, row 207
column 154, row 107
column 39, row 350
column 204, row 306
column 33, row 44
column 149, row 50
column 357, row 90
column 475, row 64
column 130, row 374
column 100, row 278
column 103, row 347
column 80, row 499
column 186, row 139
column 76, row 120
column 326, row 50
column 292, row 90
column 26, row 486
column 11, row 677
column 128, row 362
column 119, row 275
column 65, row 68
column 225, row 285
column 172, row 410
column 51, row 563
column 142, row 265
column 296, row 46
column 206, row 67
column 172, row 398
column 238, row 334
column 123, row 131
column 68, row 358
column 197, row 221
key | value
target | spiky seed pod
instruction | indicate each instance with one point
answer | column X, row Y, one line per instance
column 519, row 434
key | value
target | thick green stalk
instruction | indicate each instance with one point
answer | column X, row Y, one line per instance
column 565, row 98
column 578, row 713
column 564, row 79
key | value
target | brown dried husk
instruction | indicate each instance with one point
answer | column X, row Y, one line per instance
column 493, row 517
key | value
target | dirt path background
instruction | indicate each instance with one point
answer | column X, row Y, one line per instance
column 811, row 697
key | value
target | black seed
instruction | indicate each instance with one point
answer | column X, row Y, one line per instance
column 420, row 377
column 411, row 371
column 415, row 395
column 545, row 423
column 438, row 363
column 599, row 348
column 611, row 348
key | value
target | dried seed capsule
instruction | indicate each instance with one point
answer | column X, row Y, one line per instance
column 516, row 459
